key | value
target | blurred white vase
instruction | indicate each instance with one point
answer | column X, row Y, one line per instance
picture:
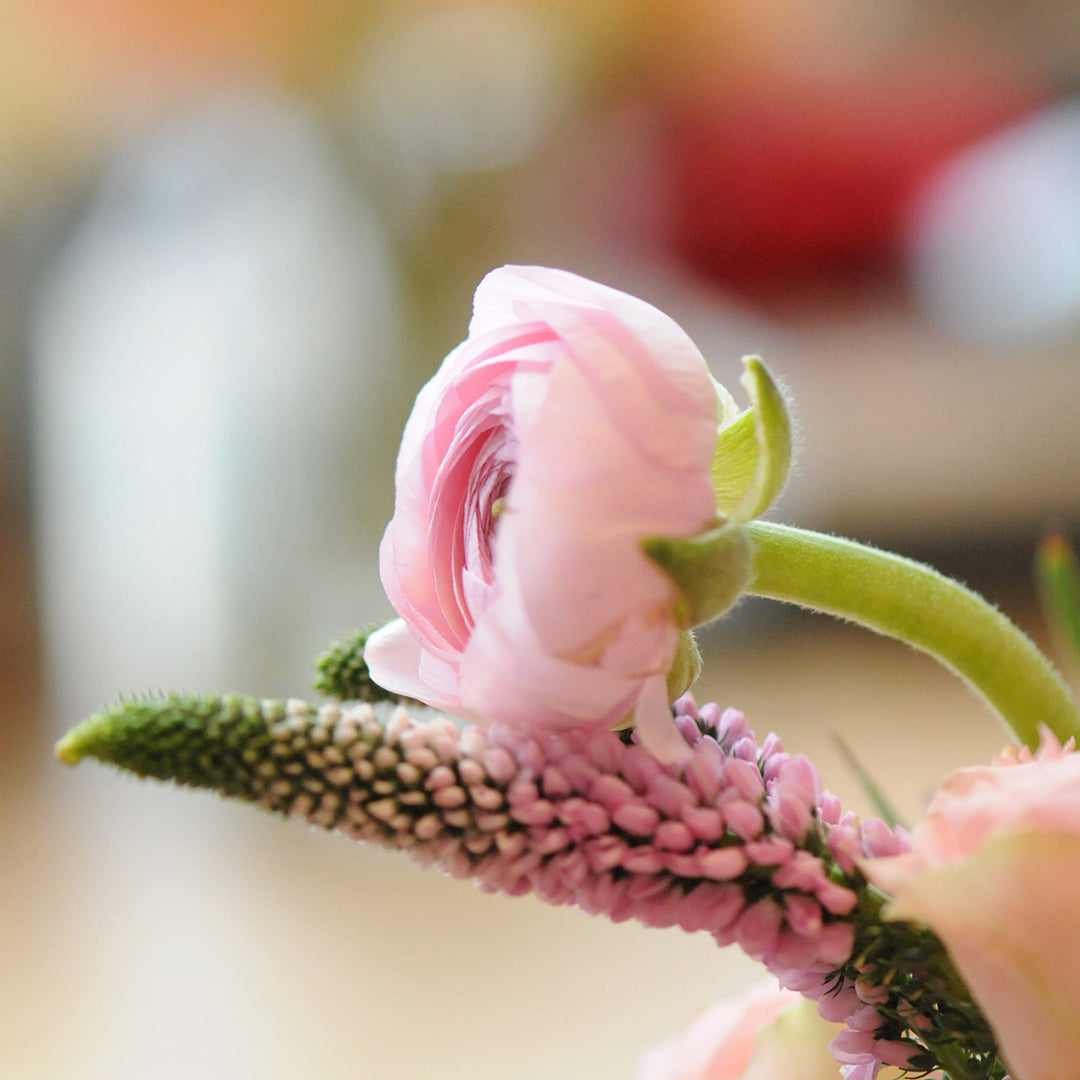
column 209, row 359
column 995, row 238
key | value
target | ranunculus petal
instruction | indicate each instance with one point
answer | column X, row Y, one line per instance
column 500, row 684
column 515, row 294
column 975, row 803
column 582, row 500
column 654, row 724
column 638, row 373
column 769, row 1034
column 574, row 422
column 1008, row 915
column 393, row 657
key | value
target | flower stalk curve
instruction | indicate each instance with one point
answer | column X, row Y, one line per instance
column 910, row 601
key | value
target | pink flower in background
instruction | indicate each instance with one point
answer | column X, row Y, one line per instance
column 994, row 870
column 768, row 1034
column 574, row 422
column 1018, row 791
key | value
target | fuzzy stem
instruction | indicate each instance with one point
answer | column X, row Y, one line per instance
column 914, row 603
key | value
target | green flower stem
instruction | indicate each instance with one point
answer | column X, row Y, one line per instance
column 909, row 601
column 954, row 1063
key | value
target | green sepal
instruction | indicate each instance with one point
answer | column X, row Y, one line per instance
column 686, row 668
column 735, row 462
column 711, row 570
column 753, row 451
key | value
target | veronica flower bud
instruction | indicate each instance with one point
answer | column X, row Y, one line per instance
column 730, row 841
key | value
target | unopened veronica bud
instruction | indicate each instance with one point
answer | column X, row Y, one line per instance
column 588, row 818
column 342, row 672
column 730, row 840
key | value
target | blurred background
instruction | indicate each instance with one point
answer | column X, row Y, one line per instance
column 237, row 237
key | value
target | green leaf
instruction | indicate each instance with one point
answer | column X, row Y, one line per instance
column 873, row 791
column 711, row 570
column 1057, row 577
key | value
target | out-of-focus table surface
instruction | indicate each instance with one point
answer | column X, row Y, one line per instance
column 150, row 933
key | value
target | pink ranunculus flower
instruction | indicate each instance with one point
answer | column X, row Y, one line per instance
column 994, row 871
column 574, row 422
column 769, row 1034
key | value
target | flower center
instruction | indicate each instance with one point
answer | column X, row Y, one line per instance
column 493, row 508
column 486, row 503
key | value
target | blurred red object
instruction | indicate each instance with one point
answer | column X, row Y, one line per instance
column 787, row 184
